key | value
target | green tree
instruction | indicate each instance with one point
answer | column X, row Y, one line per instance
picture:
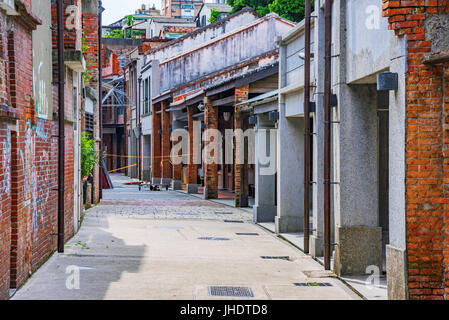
column 89, row 156
column 214, row 16
column 289, row 9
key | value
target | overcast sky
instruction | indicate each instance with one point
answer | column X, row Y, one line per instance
column 116, row 9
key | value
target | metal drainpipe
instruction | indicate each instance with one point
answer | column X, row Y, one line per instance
column 327, row 131
column 100, row 97
column 61, row 116
column 307, row 132
column 138, row 100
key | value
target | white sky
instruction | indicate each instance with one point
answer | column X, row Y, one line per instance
column 117, row 9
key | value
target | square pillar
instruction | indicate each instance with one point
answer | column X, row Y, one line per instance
column 240, row 169
column 156, row 145
column 194, row 146
column 210, row 166
column 165, row 145
column 265, row 200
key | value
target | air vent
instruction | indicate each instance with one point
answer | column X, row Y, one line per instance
column 241, row 292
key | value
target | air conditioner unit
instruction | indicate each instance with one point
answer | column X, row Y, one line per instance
column 8, row 6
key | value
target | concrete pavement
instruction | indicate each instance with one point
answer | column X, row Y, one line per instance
column 168, row 245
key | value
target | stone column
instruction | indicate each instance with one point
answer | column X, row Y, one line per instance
column 156, row 146
column 194, row 146
column 210, row 166
column 265, row 202
column 240, row 169
column 165, row 145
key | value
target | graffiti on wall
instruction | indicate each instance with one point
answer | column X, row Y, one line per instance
column 5, row 184
column 40, row 93
column 36, row 194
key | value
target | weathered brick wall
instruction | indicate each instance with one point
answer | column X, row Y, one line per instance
column 90, row 31
column 210, row 166
column 427, row 106
column 241, row 94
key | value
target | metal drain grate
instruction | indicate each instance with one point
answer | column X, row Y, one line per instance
column 313, row 284
column 233, row 221
column 246, row 234
column 213, row 239
column 241, row 292
column 223, row 213
column 276, row 258
column 168, row 227
column 186, row 214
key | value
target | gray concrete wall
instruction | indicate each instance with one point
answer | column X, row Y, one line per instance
column 224, row 51
column 200, row 37
column 368, row 39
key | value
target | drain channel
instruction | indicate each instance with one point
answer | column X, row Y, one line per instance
column 246, row 234
column 242, row 292
column 213, row 239
column 233, row 221
column 276, row 258
column 313, row 284
column 223, row 213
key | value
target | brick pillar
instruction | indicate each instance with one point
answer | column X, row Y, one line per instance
column 210, row 168
column 177, row 167
column 192, row 167
column 156, row 146
column 426, row 256
column 240, row 169
column 165, row 145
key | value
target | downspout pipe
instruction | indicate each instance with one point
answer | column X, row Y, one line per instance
column 307, row 133
column 100, row 93
column 327, row 131
column 61, row 118
column 139, row 102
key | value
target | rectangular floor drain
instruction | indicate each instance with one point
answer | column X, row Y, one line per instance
column 185, row 214
column 313, row 284
column 276, row 258
column 241, row 292
column 233, row 221
column 246, row 234
column 214, row 239
column 223, row 213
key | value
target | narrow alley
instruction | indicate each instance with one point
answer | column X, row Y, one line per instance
column 169, row 245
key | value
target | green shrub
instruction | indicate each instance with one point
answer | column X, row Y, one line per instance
column 89, row 156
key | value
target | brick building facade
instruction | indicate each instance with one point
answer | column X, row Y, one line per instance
column 28, row 143
column 424, row 23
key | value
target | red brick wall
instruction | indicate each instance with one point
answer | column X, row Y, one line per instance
column 210, row 168
column 241, row 170
column 165, row 119
column 156, row 143
column 192, row 168
column 90, row 30
column 427, row 106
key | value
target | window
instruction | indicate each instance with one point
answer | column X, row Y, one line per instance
column 147, row 96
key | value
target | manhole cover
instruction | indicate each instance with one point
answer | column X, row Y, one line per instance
column 233, row 221
column 246, row 234
column 213, row 239
column 313, row 284
column 275, row 258
column 223, row 213
column 242, row 292
column 168, row 227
